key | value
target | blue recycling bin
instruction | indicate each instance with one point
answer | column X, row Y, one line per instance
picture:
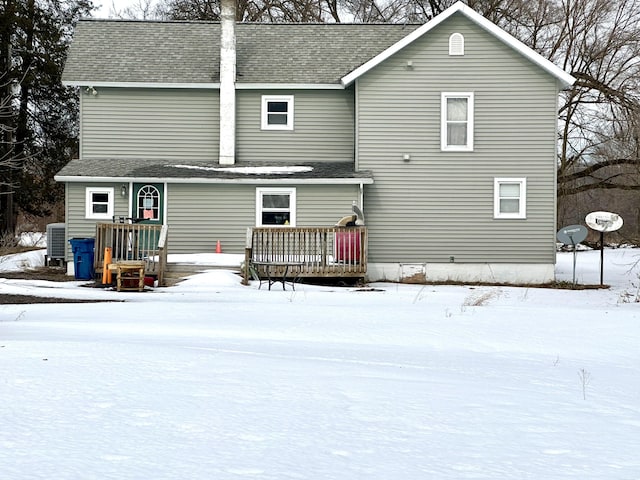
column 82, row 249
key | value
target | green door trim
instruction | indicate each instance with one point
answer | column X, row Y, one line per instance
column 148, row 203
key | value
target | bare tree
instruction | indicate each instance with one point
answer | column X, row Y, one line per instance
column 318, row 11
column 600, row 113
column 140, row 9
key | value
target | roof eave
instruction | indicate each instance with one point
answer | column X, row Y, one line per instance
column 98, row 84
column 245, row 181
column 211, row 86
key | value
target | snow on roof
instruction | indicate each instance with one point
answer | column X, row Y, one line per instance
column 270, row 170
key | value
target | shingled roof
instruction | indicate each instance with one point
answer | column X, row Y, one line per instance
column 211, row 171
column 129, row 51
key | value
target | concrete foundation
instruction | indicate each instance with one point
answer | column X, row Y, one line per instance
column 507, row 273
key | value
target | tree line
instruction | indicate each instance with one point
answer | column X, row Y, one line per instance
column 597, row 41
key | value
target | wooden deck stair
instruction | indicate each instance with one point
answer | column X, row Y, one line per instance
column 178, row 271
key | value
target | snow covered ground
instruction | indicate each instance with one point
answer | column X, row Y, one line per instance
column 212, row 380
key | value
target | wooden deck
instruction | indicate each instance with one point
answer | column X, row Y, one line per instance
column 309, row 252
column 130, row 242
column 301, row 252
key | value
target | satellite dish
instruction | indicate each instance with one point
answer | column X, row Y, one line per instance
column 604, row 221
column 572, row 235
column 345, row 221
column 356, row 209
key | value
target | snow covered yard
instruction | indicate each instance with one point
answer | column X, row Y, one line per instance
column 212, row 380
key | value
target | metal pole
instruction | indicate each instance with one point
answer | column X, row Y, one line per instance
column 574, row 259
column 601, row 258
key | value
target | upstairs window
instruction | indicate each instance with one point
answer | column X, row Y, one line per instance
column 275, row 206
column 510, row 198
column 456, row 44
column 457, row 122
column 99, row 203
column 277, row 112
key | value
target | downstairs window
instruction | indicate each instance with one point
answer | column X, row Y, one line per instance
column 275, row 206
column 510, row 198
column 99, row 203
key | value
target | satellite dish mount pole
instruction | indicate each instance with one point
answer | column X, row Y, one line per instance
column 573, row 234
column 573, row 247
column 601, row 258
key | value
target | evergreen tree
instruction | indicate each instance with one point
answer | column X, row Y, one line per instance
column 39, row 121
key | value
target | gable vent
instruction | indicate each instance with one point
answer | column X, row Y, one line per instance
column 456, row 44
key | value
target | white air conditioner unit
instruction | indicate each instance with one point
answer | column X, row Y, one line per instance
column 56, row 246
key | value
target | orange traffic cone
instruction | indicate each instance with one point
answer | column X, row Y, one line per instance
column 218, row 247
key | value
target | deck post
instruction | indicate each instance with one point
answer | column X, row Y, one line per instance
column 324, row 251
column 247, row 266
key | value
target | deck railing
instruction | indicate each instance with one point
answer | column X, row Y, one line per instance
column 133, row 241
column 311, row 251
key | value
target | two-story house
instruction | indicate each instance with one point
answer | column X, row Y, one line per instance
column 444, row 134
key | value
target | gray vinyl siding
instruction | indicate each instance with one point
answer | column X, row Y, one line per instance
column 323, row 127
column 324, row 205
column 150, row 123
column 439, row 204
column 78, row 226
column 199, row 215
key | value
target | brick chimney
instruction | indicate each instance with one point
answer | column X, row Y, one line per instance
column 227, row 82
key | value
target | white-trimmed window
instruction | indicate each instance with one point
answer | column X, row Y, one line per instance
column 99, row 203
column 277, row 112
column 510, row 198
column 275, row 206
column 457, row 121
column 456, row 44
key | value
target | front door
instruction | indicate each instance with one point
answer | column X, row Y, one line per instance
column 148, row 207
column 148, row 202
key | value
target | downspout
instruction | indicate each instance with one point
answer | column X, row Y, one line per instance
column 227, row 82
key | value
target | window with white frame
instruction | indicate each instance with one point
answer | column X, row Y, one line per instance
column 457, row 121
column 277, row 112
column 510, row 198
column 275, row 206
column 456, row 44
column 99, row 203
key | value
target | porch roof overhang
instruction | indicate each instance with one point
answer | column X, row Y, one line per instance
column 172, row 171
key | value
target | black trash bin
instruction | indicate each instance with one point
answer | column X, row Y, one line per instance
column 82, row 249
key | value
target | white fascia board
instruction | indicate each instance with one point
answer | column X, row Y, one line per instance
column 289, row 86
column 98, row 84
column 564, row 78
column 246, row 181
